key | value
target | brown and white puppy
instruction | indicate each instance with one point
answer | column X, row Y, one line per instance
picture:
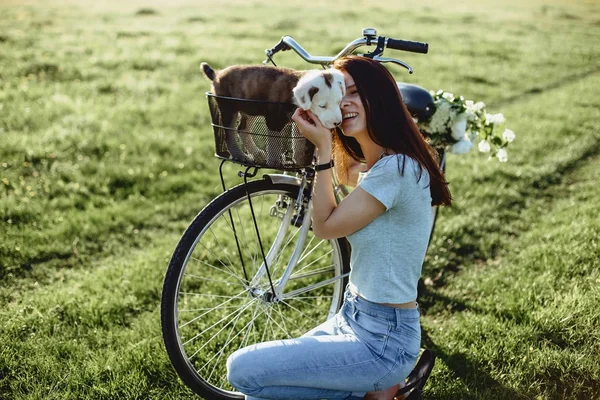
column 320, row 91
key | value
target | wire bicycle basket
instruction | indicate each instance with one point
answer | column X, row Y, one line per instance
column 258, row 133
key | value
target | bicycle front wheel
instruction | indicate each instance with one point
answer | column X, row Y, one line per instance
column 216, row 297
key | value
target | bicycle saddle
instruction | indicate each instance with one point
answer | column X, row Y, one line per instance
column 418, row 100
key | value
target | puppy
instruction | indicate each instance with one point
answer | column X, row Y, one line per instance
column 320, row 91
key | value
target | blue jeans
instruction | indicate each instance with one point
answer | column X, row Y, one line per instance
column 365, row 347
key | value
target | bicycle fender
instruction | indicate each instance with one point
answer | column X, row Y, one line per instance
column 281, row 178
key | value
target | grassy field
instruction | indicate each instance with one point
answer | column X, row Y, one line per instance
column 106, row 155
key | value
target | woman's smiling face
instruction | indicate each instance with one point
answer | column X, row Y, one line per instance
column 354, row 120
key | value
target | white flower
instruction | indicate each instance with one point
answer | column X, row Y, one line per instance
column 440, row 118
column 475, row 107
column 502, row 155
column 461, row 147
column 459, row 124
column 448, row 96
column 499, row 119
column 508, row 135
column 470, row 115
column 459, row 127
column 484, row 147
column 495, row 119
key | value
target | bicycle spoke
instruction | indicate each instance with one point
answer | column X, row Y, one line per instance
column 307, row 246
column 207, row 279
column 283, row 318
column 246, row 306
column 227, row 269
column 268, row 315
column 212, row 295
column 253, row 256
column 310, row 297
column 306, row 302
column 222, row 351
column 315, row 286
column 313, row 273
column 284, row 330
column 204, row 309
column 250, row 327
column 300, row 312
column 260, row 211
column 320, row 257
column 316, row 246
column 214, row 308
column 219, row 244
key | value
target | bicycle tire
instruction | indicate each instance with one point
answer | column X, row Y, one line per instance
column 186, row 294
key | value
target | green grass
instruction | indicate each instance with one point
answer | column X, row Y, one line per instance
column 106, row 155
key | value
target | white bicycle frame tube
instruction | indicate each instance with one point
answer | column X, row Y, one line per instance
column 297, row 250
column 281, row 234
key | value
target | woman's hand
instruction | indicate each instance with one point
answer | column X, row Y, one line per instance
column 311, row 128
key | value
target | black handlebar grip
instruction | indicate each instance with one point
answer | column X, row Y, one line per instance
column 406, row 45
column 281, row 46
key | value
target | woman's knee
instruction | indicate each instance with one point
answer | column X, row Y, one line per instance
column 239, row 371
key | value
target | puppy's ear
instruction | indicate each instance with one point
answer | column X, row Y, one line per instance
column 338, row 77
column 303, row 95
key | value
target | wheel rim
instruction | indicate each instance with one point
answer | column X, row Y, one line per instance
column 217, row 312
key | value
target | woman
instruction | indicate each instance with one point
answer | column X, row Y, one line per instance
column 371, row 345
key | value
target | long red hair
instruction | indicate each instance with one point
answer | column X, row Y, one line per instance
column 389, row 123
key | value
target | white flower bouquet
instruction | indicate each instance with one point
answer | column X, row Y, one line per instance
column 458, row 124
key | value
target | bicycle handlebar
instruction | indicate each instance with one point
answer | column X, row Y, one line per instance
column 370, row 38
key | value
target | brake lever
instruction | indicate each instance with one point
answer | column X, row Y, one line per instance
column 395, row 61
column 281, row 46
column 269, row 58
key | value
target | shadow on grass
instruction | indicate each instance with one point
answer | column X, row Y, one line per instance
column 575, row 382
column 432, row 302
column 470, row 248
column 562, row 81
column 471, row 373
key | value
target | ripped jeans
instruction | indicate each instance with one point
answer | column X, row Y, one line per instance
column 365, row 347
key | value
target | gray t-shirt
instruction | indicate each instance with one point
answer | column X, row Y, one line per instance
column 388, row 253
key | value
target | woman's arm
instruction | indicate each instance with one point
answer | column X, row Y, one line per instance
column 329, row 220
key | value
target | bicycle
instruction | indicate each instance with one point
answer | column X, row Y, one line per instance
column 248, row 268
